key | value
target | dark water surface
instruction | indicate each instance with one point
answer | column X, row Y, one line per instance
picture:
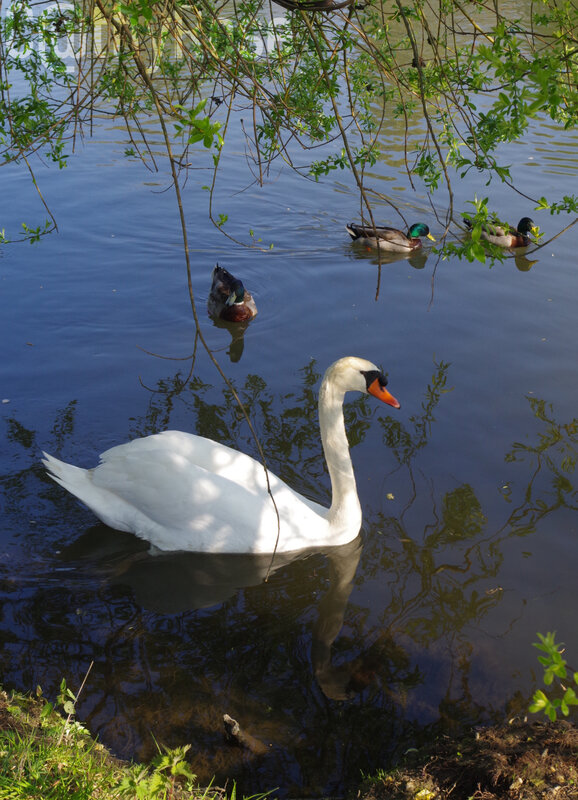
column 342, row 660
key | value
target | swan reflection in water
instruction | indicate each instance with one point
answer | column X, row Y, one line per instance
column 176, row 582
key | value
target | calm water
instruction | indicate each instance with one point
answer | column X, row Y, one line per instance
column 341, row 661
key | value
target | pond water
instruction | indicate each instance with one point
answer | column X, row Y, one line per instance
column 341, row 660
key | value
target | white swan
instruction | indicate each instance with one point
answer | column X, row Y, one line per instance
column 184, row 492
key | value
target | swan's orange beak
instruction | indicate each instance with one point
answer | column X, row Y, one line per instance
column 379, row 391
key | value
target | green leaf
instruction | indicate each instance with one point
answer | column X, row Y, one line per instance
column 570, row 697
column 68, row 707
column 47, row 709
column 540, row 701
column 478, row 252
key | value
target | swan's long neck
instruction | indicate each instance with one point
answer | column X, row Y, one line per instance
column 345, row 512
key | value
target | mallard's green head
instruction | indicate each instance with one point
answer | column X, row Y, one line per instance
column 419, row 229
column 527, row 225
column 237, row 294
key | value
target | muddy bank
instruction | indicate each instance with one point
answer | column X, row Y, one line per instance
column 516, row 761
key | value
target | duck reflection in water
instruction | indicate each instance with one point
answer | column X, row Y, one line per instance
column 381, row 258
column 237, row 332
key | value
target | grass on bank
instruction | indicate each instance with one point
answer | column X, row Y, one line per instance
column 46, row 756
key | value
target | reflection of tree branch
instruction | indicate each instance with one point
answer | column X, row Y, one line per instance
column 555, row 454
column 405, row 445
column 447, row 597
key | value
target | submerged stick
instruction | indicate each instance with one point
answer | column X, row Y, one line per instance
column 235, row 735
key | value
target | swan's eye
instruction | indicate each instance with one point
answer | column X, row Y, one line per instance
column 373, row 375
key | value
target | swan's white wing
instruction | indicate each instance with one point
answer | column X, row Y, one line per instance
column 181, row 491
column 197, row 450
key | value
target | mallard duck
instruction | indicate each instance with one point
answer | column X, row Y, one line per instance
column 512, row 237
column 390, row 238
column 179, row 491
column 228, row 298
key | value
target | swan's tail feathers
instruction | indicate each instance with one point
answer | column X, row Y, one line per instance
column 107, row 506
column 74, row 479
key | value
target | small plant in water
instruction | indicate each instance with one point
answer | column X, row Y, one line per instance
column 67, row 700
column 555, row 673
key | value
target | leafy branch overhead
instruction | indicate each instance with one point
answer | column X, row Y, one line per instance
column 316, row 79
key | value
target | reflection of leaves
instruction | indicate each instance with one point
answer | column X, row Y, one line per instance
column 462, row 514
column 63, row 427
column 17, row 484
column 64, row 424
column 434, row 578
column 451, row 556
column 405, row 444
column 287, row 426
column 19, row 434
column 554, row 455
column 453, row 608
column 163, row 401
column 561, row 439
